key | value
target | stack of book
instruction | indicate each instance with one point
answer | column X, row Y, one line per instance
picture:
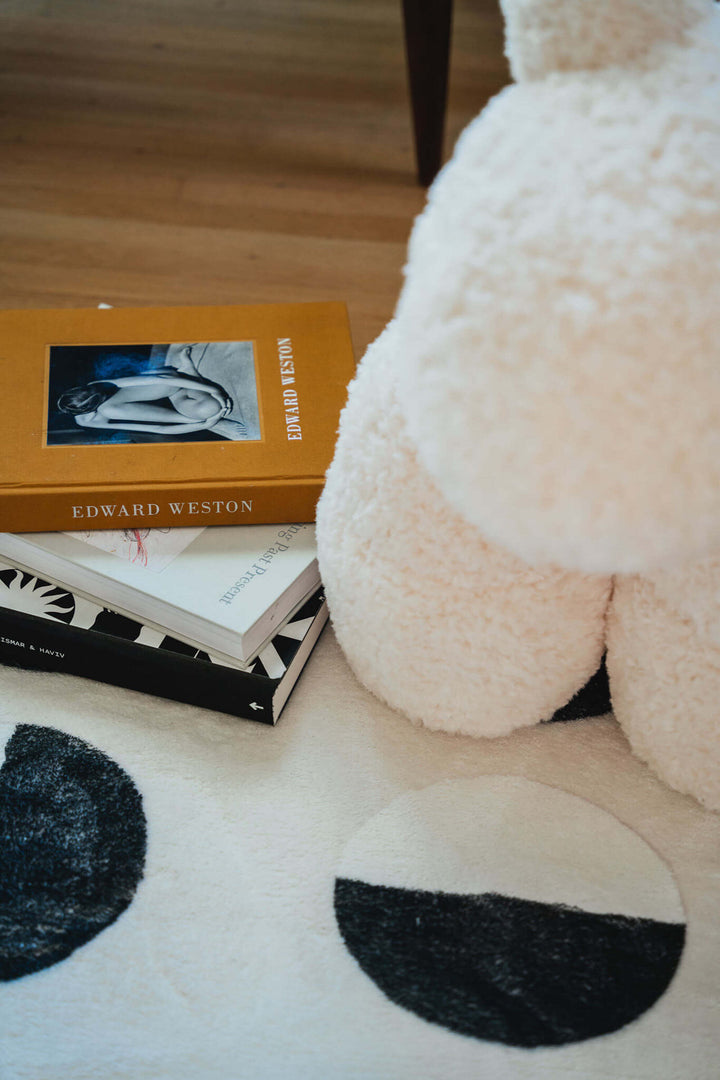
column 162, row 467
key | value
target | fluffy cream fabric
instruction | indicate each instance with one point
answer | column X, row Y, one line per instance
column 665, row 683
column 569, row 35
column 693, row 591
column 559, row 326
column 548, row 395
column 453, row 631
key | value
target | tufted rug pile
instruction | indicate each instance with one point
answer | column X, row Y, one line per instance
column 190, row 896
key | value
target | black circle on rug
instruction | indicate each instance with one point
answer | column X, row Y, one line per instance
column 72, row 847
column 510, row 911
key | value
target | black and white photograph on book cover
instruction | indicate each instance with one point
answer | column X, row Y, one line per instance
column 179, row 392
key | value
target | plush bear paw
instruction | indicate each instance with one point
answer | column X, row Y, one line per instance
column 664, row 666
column 454, row 632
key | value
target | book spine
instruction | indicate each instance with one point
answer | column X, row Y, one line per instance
column 30, row 642
column 265, row 502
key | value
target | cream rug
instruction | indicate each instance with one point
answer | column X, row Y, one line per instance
column 190, row 896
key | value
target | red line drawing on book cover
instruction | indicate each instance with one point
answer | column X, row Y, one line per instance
column 152, row 548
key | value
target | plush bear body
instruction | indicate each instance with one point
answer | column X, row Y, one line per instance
column 539, row 426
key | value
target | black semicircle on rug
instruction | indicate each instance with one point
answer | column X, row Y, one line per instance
column 73, row 842
column 503, row 969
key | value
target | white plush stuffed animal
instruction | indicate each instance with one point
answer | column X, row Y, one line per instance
column 527, row 474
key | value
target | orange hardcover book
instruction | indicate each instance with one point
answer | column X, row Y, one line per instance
column 156, row 417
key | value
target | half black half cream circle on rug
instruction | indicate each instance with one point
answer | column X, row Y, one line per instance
column 73, row 839
column 509, row 911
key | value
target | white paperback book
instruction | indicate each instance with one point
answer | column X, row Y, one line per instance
column 224, row 588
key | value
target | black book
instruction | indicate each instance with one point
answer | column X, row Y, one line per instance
column 45, row 627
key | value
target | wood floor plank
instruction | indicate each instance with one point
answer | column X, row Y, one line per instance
column 186, row 151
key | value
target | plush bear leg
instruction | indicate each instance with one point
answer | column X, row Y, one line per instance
column 448, row 629
column 664, row 670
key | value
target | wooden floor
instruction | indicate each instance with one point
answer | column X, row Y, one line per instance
column 217, row 151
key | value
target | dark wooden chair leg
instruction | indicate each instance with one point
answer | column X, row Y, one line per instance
column 427, row 25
